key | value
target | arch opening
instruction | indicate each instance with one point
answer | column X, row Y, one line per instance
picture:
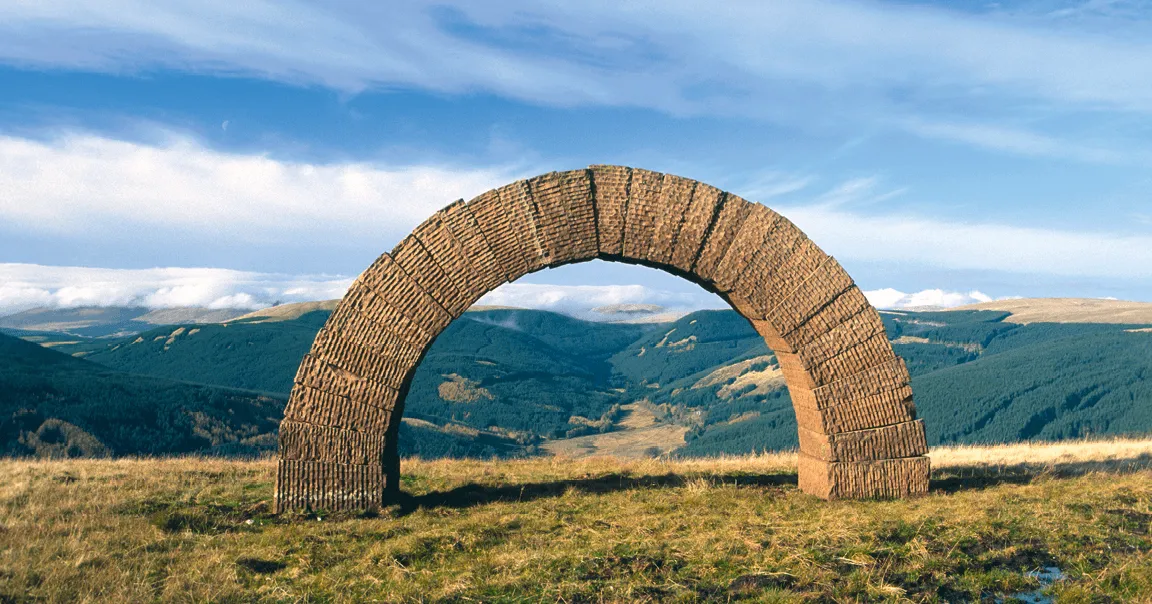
column 858, row 432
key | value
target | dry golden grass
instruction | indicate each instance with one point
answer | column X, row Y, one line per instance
column 595, row 529
column 286, row 312
column 641, row 437
column 1069, row 310
column 1113, row 451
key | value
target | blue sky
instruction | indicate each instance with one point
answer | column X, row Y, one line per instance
column 226, row 153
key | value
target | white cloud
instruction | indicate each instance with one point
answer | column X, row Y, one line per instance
column 88, row 184
column 80, row 183
column 24, row 286
column 30, row 286
column 889, row 298
column 935, row 243
column 578, row 299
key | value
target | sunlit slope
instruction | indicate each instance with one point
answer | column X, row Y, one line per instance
column 1069, row 310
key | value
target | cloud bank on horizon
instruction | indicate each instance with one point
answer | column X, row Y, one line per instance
column 24, row 287
column 999, row 148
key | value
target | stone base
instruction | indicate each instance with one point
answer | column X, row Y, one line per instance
column 885, row 478
column 326, row 485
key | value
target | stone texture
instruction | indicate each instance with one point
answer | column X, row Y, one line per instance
column 302, row 441
column 859, row 435
column 816, row 293
column 318, row 375
column 503, row 230
column 563, row 202
column 675, row 200
column 754, row 236
column 702, row 212
column 357, row 359
column 320, row 408
column 327, row 485
column 516, row 199
column 466, row 229
column 349, row 322
column 643, row 208
column 449, row 254
column 412, row 257
column 727, row 223
column 362, row 300
column 886, row 442
column 890, row 407
column 882, row 479
column 610, row 188
column 387, row 280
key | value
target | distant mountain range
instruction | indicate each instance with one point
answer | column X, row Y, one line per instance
column 115, row 321
column 503, row 382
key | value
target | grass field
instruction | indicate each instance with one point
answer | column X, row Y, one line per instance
column 595, row 529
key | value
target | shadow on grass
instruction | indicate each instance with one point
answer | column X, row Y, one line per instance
column 475, row 494
column 945, row 480
column 963, row 478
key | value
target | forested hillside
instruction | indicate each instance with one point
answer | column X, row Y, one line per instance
column 54, row 405
column 500, row 382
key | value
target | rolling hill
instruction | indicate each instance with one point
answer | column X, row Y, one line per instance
column 112, row 321
column 513, row 381
column 54, row 405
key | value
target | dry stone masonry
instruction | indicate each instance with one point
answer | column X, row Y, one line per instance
column 859, row 436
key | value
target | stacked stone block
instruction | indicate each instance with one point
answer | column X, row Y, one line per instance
column 859, row 436
column 727, row 222
column 610, row 186
column 642, row 209
column 703, row 211
column 672, row 208
column 565, row 212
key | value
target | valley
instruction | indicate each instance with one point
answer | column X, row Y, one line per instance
column 506, row 382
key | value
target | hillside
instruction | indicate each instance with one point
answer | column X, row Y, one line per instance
column 55, row 405
column 1069, row 521
column 254, row 356
column 515, row 381
column 1069, row 310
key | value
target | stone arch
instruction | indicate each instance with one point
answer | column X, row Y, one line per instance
column 859, row 436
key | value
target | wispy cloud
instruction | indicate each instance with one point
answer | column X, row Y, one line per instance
column 1022, row 142
column 677, row 55
column 24, row 286
column 929, row 242
column 857, row 191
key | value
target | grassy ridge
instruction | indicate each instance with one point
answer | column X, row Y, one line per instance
column 587, row 530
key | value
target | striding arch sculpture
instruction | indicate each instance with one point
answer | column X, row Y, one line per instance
column 859, row 436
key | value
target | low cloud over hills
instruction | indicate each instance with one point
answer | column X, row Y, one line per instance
column 198, row 290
